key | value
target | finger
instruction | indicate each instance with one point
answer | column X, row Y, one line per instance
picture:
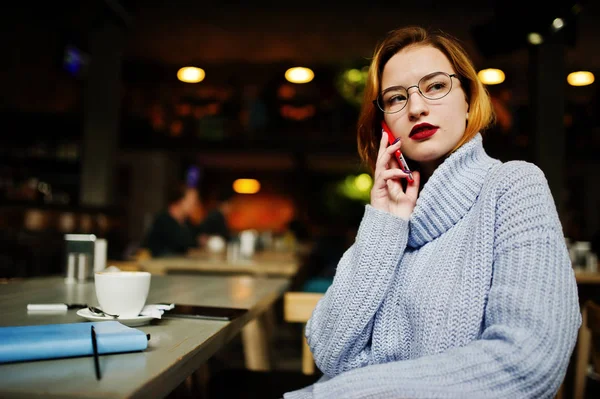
column 382, row 157
column 393, row 148
column 396, row 143
column 393, row 162
column 393, row 174
column 412, row 189
column 385, row 176
column 382, row 162
column 382, row 143
column 395, row 188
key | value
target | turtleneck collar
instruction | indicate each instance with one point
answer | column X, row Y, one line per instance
column 450, row 192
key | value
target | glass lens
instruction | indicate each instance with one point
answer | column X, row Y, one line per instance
column 435, row 86
column 393, row 100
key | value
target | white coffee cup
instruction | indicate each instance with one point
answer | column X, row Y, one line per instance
column 215, row 244
column 122, row 293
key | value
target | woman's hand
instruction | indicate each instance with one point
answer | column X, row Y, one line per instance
column 387, row 193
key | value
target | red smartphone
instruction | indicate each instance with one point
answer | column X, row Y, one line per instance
column 399, row 156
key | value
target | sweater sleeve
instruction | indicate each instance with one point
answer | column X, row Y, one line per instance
column 340, row 327
column 531, row 317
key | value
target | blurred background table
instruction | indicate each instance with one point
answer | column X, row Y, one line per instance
column 270, row 263
column 587, row 277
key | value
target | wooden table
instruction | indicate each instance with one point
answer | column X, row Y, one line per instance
column 177, row 347
column 263, row 263
column 584, row 277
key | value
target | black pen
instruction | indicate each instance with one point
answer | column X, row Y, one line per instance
column 96, row 360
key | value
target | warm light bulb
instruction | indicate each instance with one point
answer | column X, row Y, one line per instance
column 580, row 78
column 299, row 75
column 246, row 186
column 191, row 74
column 535, row 38
column 558, row 24
column 491, row 76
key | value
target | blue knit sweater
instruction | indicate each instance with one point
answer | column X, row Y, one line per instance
column 473, row 297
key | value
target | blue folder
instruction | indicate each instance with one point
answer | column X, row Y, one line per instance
column 51, row 341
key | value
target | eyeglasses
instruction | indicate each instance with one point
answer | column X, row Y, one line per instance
column 434, row 86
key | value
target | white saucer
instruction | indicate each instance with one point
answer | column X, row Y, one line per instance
column 131, row 322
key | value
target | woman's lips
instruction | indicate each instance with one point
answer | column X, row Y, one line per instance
column 424, row 133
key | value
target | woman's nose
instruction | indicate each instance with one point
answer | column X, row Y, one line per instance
column 417, row 106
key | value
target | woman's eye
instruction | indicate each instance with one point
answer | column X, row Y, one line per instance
column 436, row 87
column 396, row 99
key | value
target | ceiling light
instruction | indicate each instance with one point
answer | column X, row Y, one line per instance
column 580, row 78
column 557, row 24
column 491, row 76
column 191, row 74
column 535, row 38
column 299, row 75
column 246, row 186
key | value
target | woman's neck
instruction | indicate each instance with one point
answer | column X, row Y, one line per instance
column 427, row 168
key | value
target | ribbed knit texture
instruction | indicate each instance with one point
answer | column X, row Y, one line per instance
column 474, row 297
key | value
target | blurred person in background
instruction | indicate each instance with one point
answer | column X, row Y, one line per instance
column 171, row 232
column 215, row 223
column 459, row 282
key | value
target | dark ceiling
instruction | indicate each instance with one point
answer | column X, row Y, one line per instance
column 180, row 32
column 176, row 33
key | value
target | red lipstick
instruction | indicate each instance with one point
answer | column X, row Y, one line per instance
column 422, row 131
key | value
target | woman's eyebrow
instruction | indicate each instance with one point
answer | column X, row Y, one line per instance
column 392, row 88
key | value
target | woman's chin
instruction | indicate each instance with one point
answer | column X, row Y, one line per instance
column 426, row 158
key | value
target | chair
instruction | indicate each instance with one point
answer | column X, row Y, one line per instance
column 297, row 308
column 593, row 324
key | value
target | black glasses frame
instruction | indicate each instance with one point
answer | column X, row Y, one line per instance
column 453, row 75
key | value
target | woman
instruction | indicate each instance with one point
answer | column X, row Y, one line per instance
column 459, row 287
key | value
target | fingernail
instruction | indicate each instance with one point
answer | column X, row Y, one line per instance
column 397, row 140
